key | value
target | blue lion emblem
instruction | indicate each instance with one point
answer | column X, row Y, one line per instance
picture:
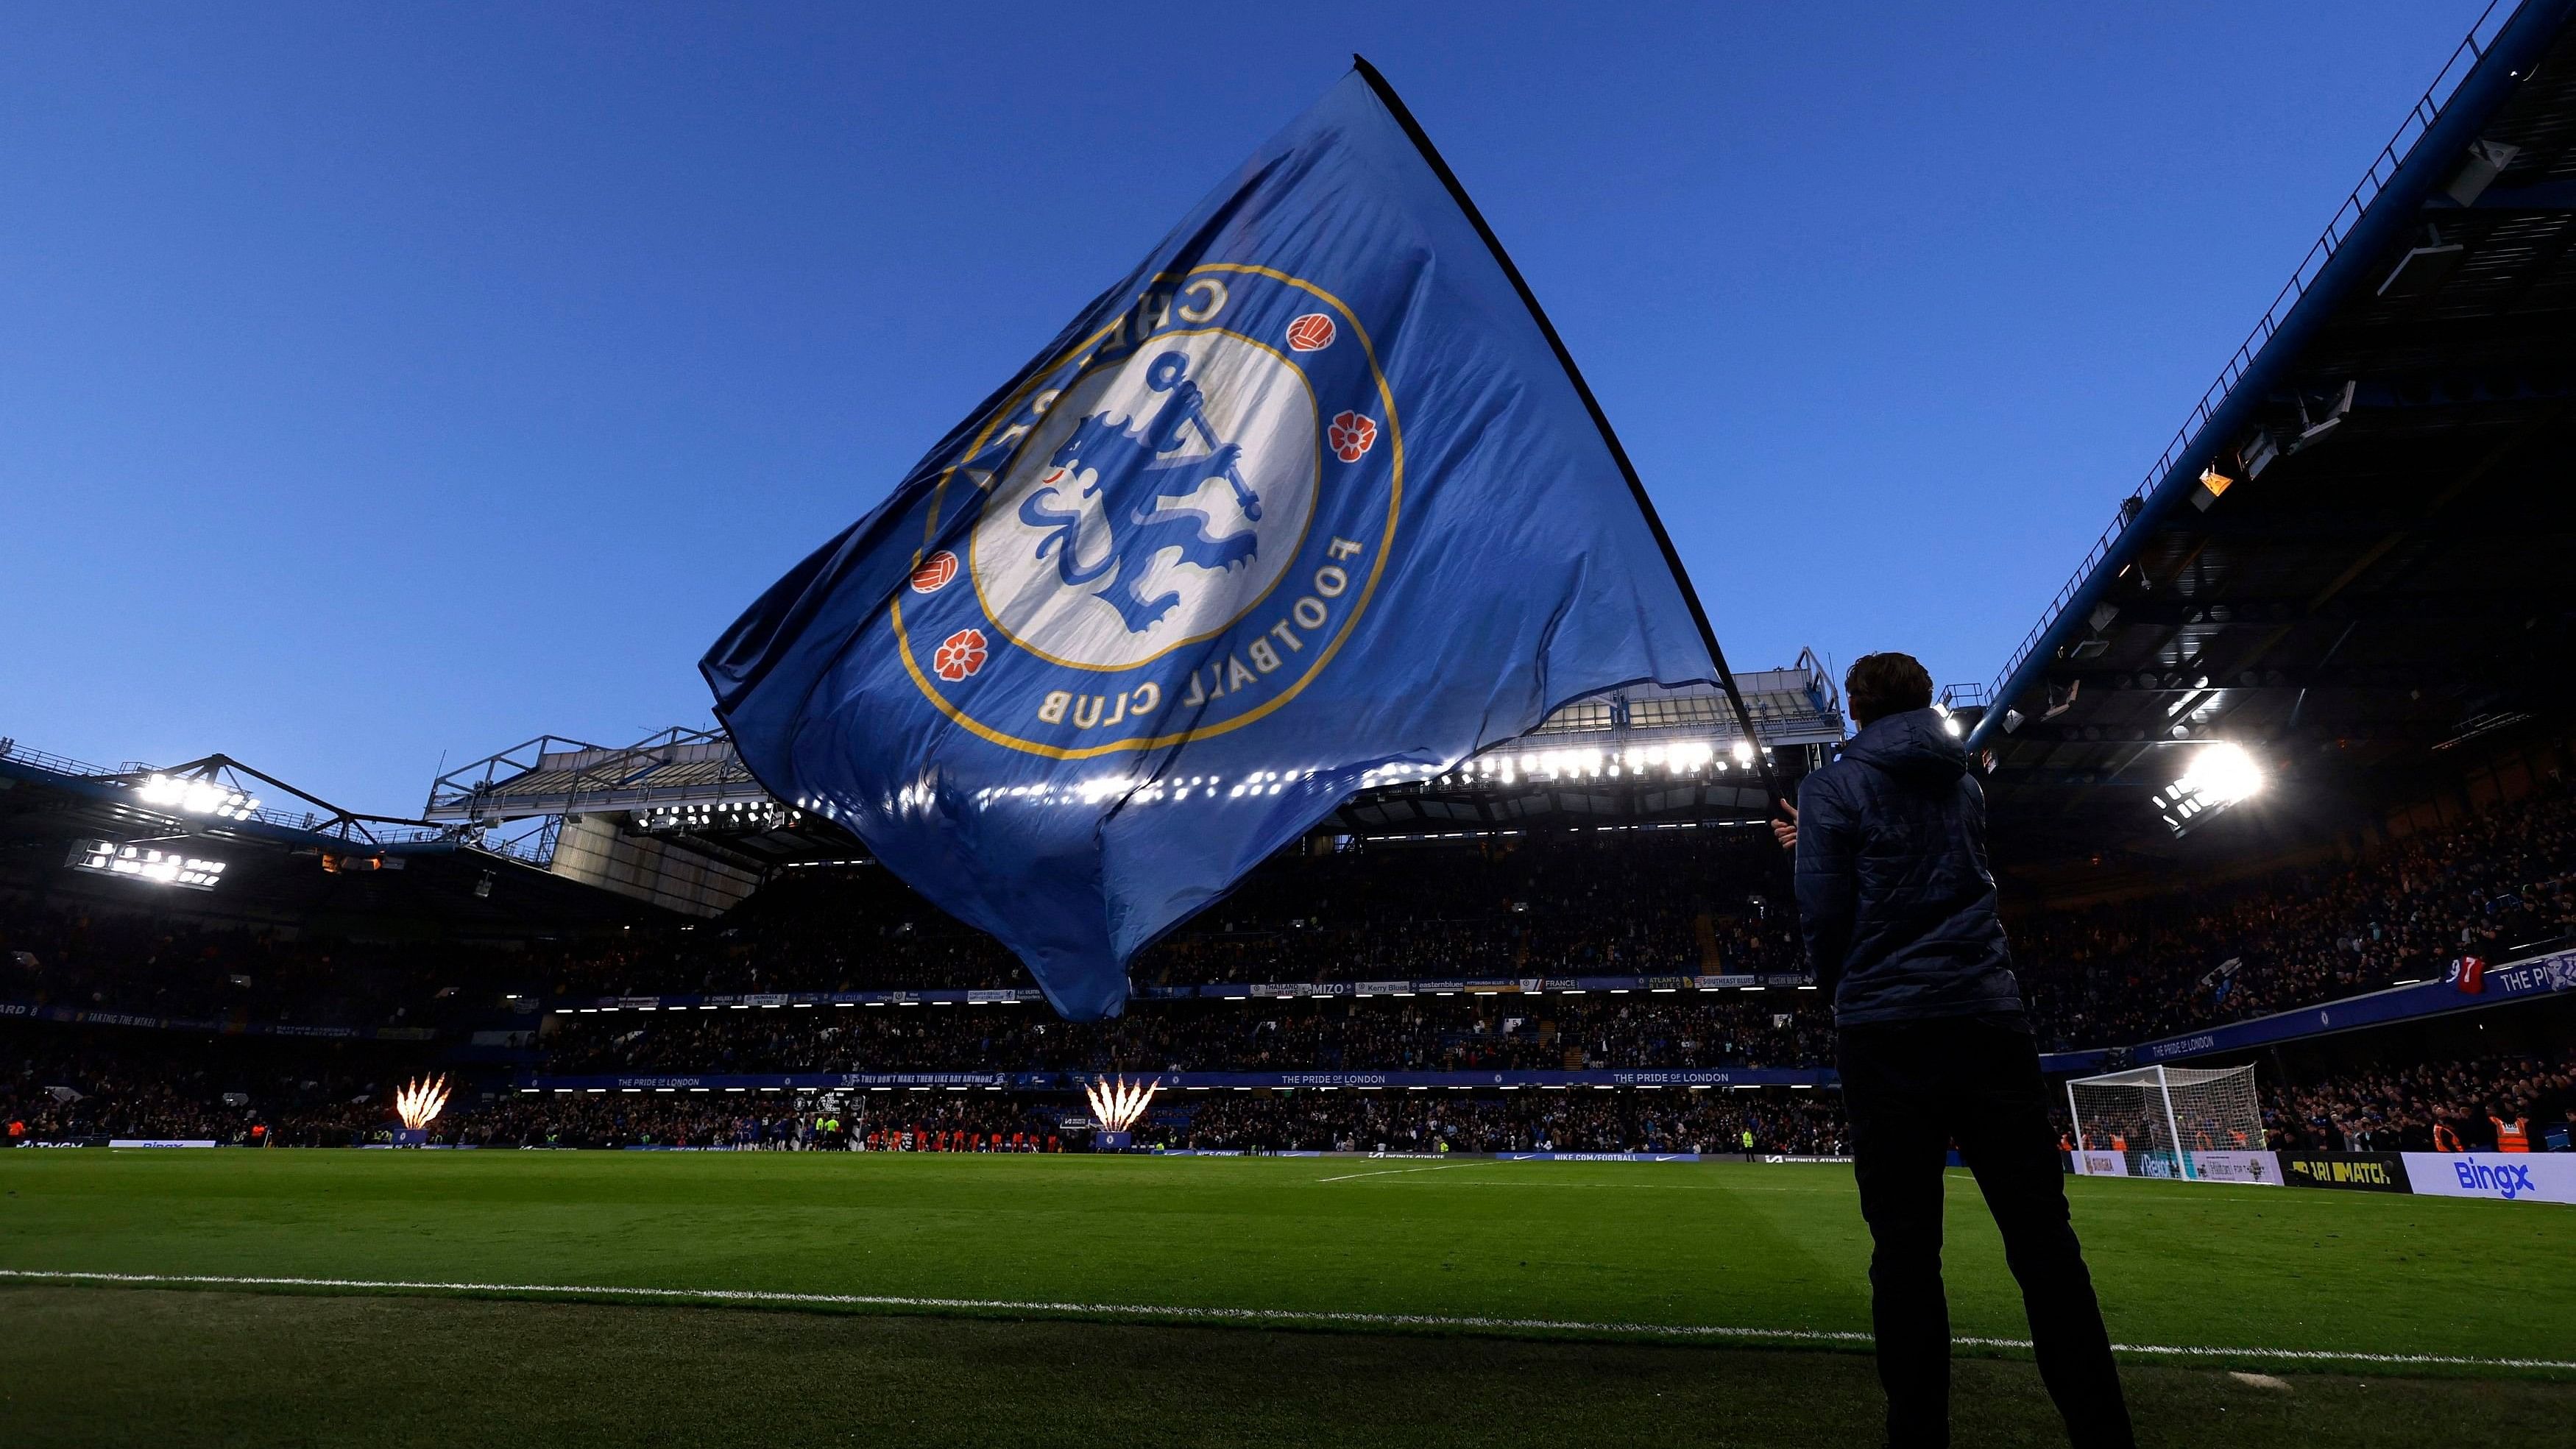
column 1141, row 493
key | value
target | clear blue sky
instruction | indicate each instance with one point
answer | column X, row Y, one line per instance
column 377, row 382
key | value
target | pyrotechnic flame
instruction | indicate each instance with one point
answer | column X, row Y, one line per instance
column 419, row 1103
column 1118, row 1105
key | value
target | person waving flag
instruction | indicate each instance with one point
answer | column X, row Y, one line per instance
column 1313, row 498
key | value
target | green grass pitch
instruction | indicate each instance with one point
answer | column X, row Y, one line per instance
column 1396, row 1301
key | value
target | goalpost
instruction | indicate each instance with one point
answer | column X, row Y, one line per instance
column 2156, row 1117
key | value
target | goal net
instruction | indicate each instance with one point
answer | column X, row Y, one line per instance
column 2165, row 1121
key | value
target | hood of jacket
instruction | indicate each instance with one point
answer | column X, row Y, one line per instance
column 1912, row 748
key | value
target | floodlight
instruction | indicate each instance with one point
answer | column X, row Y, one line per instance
column 2224, row 773
column 197, row 795
column 146, row 863
column 2220, row 775
column 1744, row 752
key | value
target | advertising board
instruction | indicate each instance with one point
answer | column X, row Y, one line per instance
column 2503, row 1176
column 2258, row 1168
column 2352, row 1171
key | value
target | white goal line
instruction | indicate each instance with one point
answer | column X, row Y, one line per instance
column 1237, row 1315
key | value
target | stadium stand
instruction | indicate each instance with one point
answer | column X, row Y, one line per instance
column 677, row 821
column 1783, row 1124
column 1620, row 902
column 2397, row 1107
column 97, row 1083
column 1526, row 911
column 159, row 965
column 2496, row 886
column 2345, row 568
column 2348, row 563
column 771, row 1123
column 1462, row 1035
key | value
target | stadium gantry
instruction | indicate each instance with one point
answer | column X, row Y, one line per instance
column 676, row 819
column 247, row 846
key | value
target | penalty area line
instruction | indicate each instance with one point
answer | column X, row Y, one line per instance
column 1180, row 1314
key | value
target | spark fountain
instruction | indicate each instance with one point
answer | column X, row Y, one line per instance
column 1117, row 1105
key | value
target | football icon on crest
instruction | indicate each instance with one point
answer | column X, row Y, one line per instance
column 934, row 573
column 1311, row 333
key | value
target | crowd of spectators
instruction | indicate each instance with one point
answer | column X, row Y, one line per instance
column 1789, row 1123
column 2499, row 884
column 771, row 1122
column 2425, row 1106
column 1650, row 903
column 67, row 1082
column 1544, row 904
column 1683, row 1030
column 61, row 1083
column 154, row 963
column 1541, row 905
column 1548, row 904
column 1782, row 1122
column 1682, row 903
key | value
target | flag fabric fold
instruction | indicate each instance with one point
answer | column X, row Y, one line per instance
column 1309, row 501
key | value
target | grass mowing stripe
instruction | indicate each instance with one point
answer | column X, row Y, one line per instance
column 1240, row 1315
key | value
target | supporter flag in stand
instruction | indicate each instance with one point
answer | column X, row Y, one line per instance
column 2469, row 974
column 1310, row 500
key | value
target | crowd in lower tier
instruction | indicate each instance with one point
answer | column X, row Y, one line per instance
column 77, row 1083
column 1641, row 1030
column 1791, row 1123
column 2483, row 1103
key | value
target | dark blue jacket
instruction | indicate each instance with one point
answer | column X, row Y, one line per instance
column 1894, row 896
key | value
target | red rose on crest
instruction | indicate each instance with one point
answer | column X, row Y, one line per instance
column 1351, row 436
column 959, row 655
column 1311, row 333
column 934, row 573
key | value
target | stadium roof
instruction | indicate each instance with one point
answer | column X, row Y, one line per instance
column 214, row 839
column 2352, row 556
column 686, row 786
column 1642, row 755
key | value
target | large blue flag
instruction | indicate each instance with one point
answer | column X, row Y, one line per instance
column 1312, row 494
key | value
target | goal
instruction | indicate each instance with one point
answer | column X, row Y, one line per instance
column 2165, row 1121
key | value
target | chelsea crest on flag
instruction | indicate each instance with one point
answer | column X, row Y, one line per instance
column 1314, row 493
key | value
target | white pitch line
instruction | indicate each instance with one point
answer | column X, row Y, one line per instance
column 1392, row 1171
column 1245, row 1315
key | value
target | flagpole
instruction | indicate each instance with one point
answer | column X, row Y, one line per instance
column 1628, row 470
